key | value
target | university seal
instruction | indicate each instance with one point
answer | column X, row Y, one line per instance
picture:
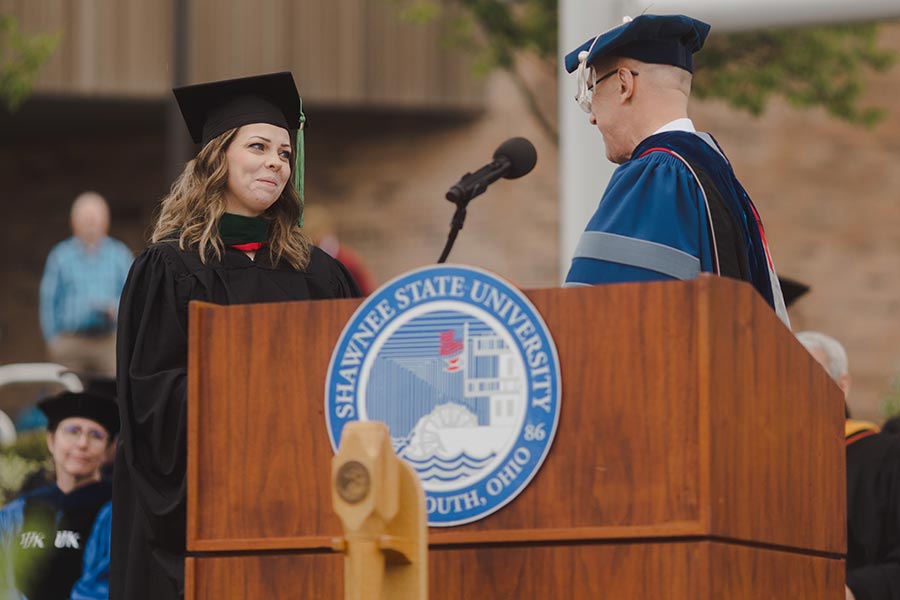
column 461, row 367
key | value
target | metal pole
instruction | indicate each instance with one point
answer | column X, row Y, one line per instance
column 178, row 142
column 737, row 15
column 583, row 168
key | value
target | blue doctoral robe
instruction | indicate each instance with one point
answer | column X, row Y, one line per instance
column 63, row 540
column 653, row 223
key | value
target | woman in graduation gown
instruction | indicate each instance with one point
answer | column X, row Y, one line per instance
column 228, row 233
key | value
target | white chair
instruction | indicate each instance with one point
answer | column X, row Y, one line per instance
column 33, row 373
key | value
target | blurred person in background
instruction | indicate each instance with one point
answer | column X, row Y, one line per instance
column 674, row 207
column 873, row 488
column 228, row 232
column 33, row 418
column 319, row 225
column 892, row 425
column 80, row 290
column 54, row 540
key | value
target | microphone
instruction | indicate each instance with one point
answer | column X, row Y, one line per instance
column 512, row 159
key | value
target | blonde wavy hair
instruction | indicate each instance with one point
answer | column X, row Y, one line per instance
column 193, row 207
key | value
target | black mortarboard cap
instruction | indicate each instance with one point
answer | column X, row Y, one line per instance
column 660, row 39
column 791, row 289
column 211, row 109
column 101, row 409
column 102, row 386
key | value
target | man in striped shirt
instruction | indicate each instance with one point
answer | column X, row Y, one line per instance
column 80, row 290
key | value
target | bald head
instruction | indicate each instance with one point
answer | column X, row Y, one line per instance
column 90, row 218
column 659, row 77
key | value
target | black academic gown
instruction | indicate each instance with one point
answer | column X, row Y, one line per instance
column 873, row 517
column 46, row 532
column 148, row 536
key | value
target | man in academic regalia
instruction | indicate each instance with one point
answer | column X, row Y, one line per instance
column 873, row 489
column 673, row 208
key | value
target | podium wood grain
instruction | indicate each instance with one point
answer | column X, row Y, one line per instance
column 688, row 413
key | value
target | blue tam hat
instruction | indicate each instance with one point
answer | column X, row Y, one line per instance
column 659, row 39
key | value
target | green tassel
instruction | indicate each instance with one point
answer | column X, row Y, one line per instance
column 299, row 166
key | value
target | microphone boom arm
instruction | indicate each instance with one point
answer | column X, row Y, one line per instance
column 475, row 184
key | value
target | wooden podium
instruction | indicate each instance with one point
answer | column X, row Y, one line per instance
column 699, row 454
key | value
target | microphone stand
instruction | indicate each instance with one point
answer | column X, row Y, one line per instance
column 455, row 225
column 471, row 185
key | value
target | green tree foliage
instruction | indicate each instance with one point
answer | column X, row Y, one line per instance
column 21, row 56
column 811, row 67
column 818, row 66
column 890, row 403
column 28, row 454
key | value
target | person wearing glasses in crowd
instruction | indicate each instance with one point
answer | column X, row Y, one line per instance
column 673, row 207
column 229, row 232
column 55, row 539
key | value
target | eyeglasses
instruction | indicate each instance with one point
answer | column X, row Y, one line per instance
column 586, row 90
column 607, row 76
column 74, row 432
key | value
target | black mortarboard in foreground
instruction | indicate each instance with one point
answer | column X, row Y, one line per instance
column 211, row 109
column 101, row 409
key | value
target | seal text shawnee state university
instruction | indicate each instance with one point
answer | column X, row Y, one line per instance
column 444, row 287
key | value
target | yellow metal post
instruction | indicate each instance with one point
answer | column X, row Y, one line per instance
column 381, row 504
